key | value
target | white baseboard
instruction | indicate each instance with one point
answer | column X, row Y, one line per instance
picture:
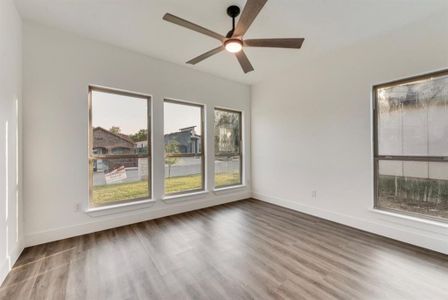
column 9, row 262
column 437, row 241
column 99, row 224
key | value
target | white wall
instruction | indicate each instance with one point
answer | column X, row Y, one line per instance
column 10, row 163
column 311, row 130
column 59, row 67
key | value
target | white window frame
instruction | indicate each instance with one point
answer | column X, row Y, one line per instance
column 92, row 156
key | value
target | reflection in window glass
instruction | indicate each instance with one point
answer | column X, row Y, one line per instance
column 119, row 158
column 184, row 160
column 228, row 159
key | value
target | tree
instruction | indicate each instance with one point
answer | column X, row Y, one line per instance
column 170, row 148
column 231, row 122
column 115, row 129
column 141, row 135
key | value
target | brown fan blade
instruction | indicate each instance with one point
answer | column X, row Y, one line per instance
column 187, row 24
column 250, row 12
column 244, row 61
column 205, row 55
column 275, row 43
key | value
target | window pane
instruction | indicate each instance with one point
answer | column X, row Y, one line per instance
column 183, row 174
column 118, row 127
column 227, row 171
column 227, row 132
column 438, row 118
column 183, row 127
column 119, row 124
column 416, row 187
column 413, row 118
column 227, row 148
column 183, row 147
column 117, row 180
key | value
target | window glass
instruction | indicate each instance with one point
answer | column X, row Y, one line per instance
column 413, row 118
column 119, row 158
column 412, row 152
column 184, row 159
column 116, row 180
column 416, row 187
column 228, row 158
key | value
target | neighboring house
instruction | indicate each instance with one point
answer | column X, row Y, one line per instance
column 107, row 142
column 186, row 139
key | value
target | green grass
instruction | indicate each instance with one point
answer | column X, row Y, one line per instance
column 182, row 183
column 107, row 194
column 225, row 179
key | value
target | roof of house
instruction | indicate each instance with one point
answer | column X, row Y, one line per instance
column 119, row 135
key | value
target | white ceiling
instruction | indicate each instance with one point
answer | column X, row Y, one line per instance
column 138, row 25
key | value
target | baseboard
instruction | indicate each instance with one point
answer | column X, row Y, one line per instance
column 384, row 229
column 9, row 262
column 100, row 224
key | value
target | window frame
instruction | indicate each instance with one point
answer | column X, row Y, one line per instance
column 240, row 154
column 92, row 156
column 202, row 148
column 415, row 158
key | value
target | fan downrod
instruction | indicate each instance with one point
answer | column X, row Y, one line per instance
column 233, row 12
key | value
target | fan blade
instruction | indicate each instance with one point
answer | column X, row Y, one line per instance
column 187, row 24
column 244, row 61
column 275, row 43
column 205, row 55
column 250, row 12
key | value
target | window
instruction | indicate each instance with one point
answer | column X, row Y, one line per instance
column 411, row 146
column 119, row 147
column 184, row 147
column 228, row 158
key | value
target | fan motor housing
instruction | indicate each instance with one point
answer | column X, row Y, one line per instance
column 233, row 11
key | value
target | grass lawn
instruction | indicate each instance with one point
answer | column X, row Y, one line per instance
column 224, row 179
column 105, row 194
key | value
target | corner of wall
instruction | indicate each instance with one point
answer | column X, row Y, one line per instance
column 10, row 260
column 11, row 39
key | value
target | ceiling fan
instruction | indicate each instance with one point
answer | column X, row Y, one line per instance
column 233, row 42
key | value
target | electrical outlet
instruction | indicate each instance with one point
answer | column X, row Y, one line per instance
column 77, row 207
column 314, row 194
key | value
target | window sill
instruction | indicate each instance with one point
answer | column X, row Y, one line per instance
column 409, row 218
column 229, row 188
column 118, row 208
column 185, row 196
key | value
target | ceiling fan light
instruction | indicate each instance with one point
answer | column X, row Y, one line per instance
column 233, row 46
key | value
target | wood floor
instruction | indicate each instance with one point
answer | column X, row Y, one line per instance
column 243, row 250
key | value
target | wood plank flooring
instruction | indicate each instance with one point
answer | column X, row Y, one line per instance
column 243, row 250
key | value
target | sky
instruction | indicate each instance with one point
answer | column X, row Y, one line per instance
column 180, row 116
column 130, row 113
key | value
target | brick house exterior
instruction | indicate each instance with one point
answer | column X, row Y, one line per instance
column 106, row 142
